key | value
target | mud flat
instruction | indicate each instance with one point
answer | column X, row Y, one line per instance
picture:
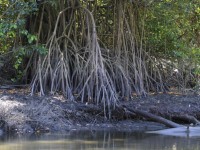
column 24, row 114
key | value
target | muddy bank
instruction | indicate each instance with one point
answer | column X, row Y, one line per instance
column 25, row 114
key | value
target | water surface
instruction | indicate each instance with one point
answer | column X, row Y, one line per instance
column 100, row 140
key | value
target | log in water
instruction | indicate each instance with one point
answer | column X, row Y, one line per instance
column 180, row 131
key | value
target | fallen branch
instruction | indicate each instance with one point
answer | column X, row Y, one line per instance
column 153, row 117
column 13, row 86
column 188, row 118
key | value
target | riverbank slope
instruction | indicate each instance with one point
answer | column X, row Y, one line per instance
column 24, row 114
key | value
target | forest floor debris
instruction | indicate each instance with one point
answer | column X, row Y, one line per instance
column 26, row 114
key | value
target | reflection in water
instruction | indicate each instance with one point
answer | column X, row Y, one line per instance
column 100, row 140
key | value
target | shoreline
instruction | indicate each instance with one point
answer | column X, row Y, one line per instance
column 33, row 114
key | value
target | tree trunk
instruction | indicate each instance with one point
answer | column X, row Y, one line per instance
column 153, row 117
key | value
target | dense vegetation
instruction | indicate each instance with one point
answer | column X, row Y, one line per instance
column 100, row 51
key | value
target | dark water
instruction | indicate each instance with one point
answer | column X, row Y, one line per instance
column 100, row 140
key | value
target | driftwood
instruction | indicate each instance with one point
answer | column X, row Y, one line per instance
column 153, row 117
column 188, row 118
column 9, row 87
column 123, row 109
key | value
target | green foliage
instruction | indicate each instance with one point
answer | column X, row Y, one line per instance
column 13, row 33
column 171, row 28
column 26, row 52
column 166, row 29
column 12, row 22
column 41, row 49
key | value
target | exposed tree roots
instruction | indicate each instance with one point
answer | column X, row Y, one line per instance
column 82, row 66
